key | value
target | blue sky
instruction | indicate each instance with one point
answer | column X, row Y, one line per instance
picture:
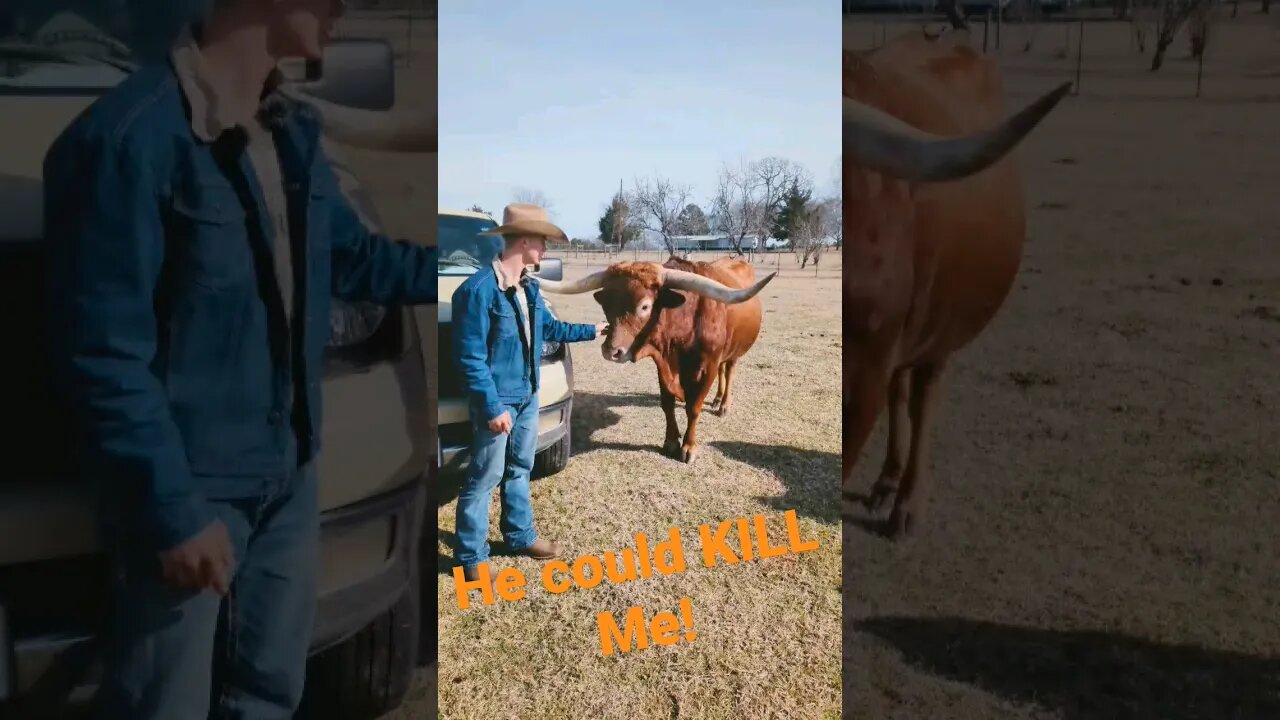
column 570, row 96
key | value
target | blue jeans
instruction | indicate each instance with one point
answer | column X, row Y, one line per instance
column 498, row 458
column 183, row 655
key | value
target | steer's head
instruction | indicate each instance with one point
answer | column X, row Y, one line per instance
column 634, row 296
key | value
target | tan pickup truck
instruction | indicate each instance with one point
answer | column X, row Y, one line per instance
column 378, row 452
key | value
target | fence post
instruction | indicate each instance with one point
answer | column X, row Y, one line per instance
column 1200, row 66
column 1079, row 57
column 999, row 23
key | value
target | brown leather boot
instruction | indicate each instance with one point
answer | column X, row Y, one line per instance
column 471, row 573
column 541, row 549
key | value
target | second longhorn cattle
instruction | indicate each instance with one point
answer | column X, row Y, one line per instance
column 695, row 319
column 934, row 231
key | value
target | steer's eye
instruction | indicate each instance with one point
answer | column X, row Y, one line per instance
column 644, row 307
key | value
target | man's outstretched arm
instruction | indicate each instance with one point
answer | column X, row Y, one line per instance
column 371, row 267
column 559, row 331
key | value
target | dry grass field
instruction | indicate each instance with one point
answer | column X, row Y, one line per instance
column 1103, row 536
column 768, row 631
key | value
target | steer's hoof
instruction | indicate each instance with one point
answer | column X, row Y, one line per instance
column 688, row 454
column 672, row 448
column 720, row 410
column 885, row 488
column 902, row 523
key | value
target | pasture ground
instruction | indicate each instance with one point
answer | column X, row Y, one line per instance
column 1102, row 540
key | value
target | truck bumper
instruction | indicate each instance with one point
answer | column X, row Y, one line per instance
column 455, row 449
column 49, row 669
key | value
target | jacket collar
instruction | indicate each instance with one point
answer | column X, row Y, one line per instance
column 210, row 101
column 504, row 282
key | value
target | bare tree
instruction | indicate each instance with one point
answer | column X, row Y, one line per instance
column 736, row 209
column 775, row 177
column 813, row 229
column 533, row 197
column 1173, row 15
column 656, row 205
column 836, row 205
column 617, row 227
column 749, row 197
column 1142, row 17
column 1198, row 26
column 952, row 9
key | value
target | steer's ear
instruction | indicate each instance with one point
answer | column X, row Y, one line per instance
column 669, row 298
column 599, row 296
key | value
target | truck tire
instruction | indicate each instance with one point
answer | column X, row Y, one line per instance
column 367, row 675
column 553, row 459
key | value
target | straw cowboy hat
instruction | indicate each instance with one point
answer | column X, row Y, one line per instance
column 525, row 219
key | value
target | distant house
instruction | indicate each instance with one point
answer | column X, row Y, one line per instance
column 708, row 243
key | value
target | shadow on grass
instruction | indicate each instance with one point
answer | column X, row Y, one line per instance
column 446, row 563
column 873, row 523
column 1087, row 674
column 594, row 411
column 811, row 478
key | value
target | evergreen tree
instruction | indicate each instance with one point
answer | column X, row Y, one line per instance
column 795, row 203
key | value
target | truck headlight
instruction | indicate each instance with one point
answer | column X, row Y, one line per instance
column 353, row 323
column 550, row 350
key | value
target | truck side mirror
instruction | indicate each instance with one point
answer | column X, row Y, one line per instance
column 358, row 73
column 550, row 269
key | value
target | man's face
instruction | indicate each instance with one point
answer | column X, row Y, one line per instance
column 533, row 248
column 301, row 28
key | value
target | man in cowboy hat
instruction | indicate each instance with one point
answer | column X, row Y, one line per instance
column 197, row 236
column 500, row 321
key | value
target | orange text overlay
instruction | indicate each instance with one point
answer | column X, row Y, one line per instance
column 725, row 543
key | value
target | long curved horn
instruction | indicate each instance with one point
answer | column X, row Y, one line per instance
column 594, row 281
column 374, row 130
column 881, row 142
column 682, row 280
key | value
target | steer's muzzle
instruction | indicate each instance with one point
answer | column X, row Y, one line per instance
column 615, row 354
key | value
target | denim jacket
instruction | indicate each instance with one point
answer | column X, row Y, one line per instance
column 171, row 350
column 489, row 347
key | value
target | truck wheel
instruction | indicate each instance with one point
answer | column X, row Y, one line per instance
column 553, row 459
column 367, row 675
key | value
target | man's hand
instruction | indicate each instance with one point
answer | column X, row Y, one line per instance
column 501, row 424
column 602, row 328
column 206, row 560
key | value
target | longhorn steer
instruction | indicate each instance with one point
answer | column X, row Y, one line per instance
column 695, row 319
column 934, row 229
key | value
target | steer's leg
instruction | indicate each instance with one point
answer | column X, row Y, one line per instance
column 913, row 492
column 726, row 382
column 666, row 386
column 721, row 385
column 696, row 375
column 899, row 433
column 866, row 386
